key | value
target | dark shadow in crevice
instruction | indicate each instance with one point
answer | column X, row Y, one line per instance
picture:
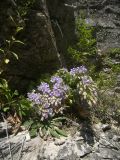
column 87, row 132
column 85, row 121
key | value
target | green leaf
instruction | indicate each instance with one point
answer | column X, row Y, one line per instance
column 25, row 104
column 43, row 131
column 90, row 103
column 13, row 20
column 84, row 95
column 28, row 123
column 54, row 133
column 6, row 109
column 61, row 132
column 70, row 101
column 59, row 119
column 13, row 38
column 15, row 55
column 8, row 41
column 1, row 50
column 33, row 133
column 16, row 93
column 55, row 123
column 3, row 83
column 20, row 42
column 19, row 29
column 85, row 53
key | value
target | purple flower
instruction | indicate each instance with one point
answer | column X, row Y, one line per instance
column 58, row 93
column 65, row 69
column 86, row 80
column 90, row 22
column 56, row 79
column 78, row 70
column 60, row 89
column 46, row 114
column 34, row 97
column 44, row 88
column 50, row 111
column 47, row 100
column 46, row 105
column 66, row 88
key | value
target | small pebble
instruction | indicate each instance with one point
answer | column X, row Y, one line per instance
column 59, row 142
column 116, row 138
column 106, row 127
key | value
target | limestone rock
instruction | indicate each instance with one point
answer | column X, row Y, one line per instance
column 3, row 127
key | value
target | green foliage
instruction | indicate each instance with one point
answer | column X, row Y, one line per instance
column 53, row 128
column 109, row 107
column 23, row 107
column 11, row 102
column 85, row 49
column 65, row 89
column 107, row 77
column 107, row 81
column 7, row 50
column 32, row 125
column 24, row 6
column 115, row 52
column 46, row 128
column 82, row 87
column 6, row 96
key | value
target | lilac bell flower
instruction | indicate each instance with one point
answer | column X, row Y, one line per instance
column 56, row 79
column 49, row 99
column 86, row 80
column 44, row 88
column 34, row 97
column 78, row 70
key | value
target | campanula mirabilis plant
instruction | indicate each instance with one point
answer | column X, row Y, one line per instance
column 50, row 98
column 81, row 85
column 65, row 88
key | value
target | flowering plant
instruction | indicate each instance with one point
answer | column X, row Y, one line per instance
column 49, row 99
column 81, row 85
column 64, row 88
column 85, row 86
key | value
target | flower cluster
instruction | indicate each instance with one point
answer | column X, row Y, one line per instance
column 49, row 99
column 85, row 85
column 78, row 70
column 86, row 80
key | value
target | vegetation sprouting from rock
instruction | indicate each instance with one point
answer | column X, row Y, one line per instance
column 88, row 84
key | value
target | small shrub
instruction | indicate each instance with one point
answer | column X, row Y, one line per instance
column 84, row 51
column 7, row 51
column 11, row 102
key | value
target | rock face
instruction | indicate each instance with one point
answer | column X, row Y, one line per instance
column 103, row 14
column 103, row 144
column 39, row 56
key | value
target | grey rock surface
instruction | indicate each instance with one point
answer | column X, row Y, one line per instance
column 70, row 148
column 3, row 127
column 102, row 14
